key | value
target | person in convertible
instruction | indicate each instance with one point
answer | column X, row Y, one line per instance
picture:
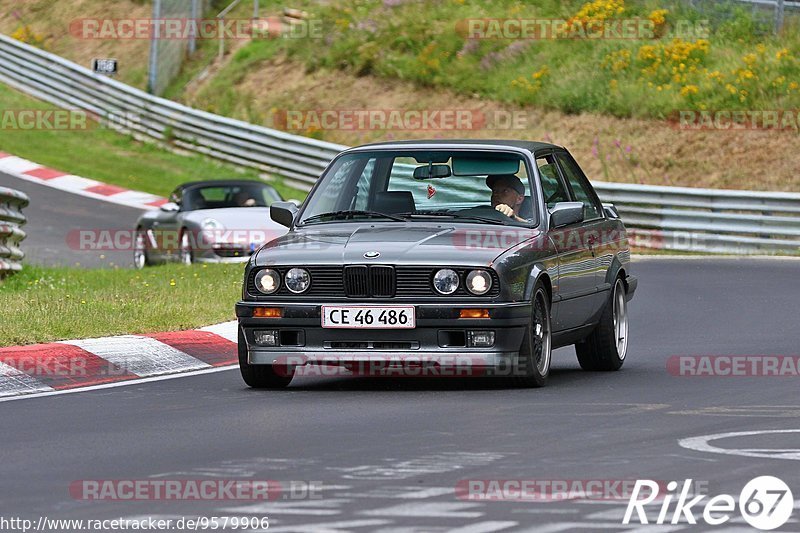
column 508, row 195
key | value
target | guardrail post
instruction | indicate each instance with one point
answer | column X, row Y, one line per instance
column 152, row 74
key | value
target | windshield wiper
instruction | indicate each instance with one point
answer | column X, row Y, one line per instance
column 350, row 213
column 450, row 214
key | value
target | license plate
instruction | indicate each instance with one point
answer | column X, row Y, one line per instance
column 368, row 317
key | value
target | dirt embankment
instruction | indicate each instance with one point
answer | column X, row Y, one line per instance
column 609, row 149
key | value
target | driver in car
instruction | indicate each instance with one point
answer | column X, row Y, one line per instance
column 508, row 193
column 243, row 199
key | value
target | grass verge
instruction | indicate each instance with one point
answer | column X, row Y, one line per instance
column 108, row 156
column 45, row 304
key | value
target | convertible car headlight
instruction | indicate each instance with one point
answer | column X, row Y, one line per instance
column 445, row 281
column 479, row 282
column 212, row 224
column 298, row 280
column 268, row 281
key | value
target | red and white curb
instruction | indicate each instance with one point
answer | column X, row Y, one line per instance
column 34, row 172
column 69, row 366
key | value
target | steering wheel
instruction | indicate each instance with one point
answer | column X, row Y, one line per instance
column 485, row 211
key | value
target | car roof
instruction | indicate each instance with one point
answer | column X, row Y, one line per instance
column 530, row 146
column 221, row 182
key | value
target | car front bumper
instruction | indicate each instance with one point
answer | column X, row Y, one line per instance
column 439, row 339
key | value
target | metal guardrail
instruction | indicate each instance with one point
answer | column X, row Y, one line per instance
column 11, row 234
column 704, row 220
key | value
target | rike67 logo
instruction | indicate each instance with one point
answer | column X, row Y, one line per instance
column 765, row 503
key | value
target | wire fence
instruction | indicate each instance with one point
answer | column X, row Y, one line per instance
column 767, row 15
column 167, row 55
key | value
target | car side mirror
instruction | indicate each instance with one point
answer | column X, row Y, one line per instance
column 293, row 201
column 283, row 213
column 611, row 211
column 170, row 207
column 565, row 214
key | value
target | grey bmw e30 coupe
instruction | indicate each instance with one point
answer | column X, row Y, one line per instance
column 485, row 255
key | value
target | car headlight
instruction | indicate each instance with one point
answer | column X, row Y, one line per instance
column 445, row 281
column 479, row 282
column 298, row 280
column 268, row 281
column 212, row 224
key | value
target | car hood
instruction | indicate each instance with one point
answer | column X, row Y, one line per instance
column 239, row 224
column 411, row 243
column 235, row 217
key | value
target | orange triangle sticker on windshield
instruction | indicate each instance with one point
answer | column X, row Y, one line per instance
column 431, row 191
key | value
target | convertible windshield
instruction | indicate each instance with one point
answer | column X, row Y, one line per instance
column 475, row 186
column 238, row 195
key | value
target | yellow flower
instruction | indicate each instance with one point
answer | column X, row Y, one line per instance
column 658, row 17
column 689, row 89
column 749, row 59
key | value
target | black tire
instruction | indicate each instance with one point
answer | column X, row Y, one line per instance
column 141, row 258
column 533, row 366
column 261, row 376
column 606, row 346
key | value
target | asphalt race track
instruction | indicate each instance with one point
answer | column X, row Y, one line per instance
column 53, row 214
column 387, row 455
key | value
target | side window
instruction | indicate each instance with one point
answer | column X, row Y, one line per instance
column 552, row 186
column 580, row 187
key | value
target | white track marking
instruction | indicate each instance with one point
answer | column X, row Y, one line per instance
column 701, row 444
column 403, row 493
column 142, row 356
column 484, row 527
column 14, row 165
column 72, row 182
column 329, row 527
column 134, row 197
column 428, row 464
column 428, row 510
column 327, row 507
column 14, row 382
column 120, row 383
column 226, row 330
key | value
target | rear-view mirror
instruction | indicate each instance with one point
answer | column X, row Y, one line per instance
column 431, row 171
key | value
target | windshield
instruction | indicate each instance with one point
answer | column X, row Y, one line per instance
column 476, row 186
column 239, row 195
